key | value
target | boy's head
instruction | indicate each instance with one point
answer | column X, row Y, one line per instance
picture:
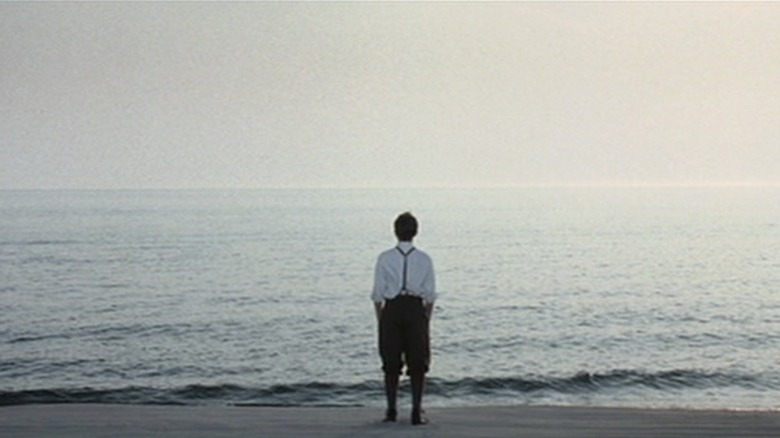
column 405, row 227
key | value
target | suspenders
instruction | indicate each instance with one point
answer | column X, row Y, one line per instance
column 406, row 268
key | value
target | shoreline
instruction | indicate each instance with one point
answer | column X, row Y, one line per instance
column 107, row 420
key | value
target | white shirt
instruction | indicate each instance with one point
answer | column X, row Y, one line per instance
column 389, row 278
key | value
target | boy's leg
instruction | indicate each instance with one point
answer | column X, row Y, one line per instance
column 390, row 348
column 419, row 360
column 418, row 386
column 391, row 391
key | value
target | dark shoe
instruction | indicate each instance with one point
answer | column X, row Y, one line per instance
column 418, row 419
column 390, row 416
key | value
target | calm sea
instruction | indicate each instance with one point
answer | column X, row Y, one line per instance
column 646, row 297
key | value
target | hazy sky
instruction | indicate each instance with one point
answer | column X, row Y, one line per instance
column 179, row 95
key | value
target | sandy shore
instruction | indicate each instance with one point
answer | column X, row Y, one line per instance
column 117, row 421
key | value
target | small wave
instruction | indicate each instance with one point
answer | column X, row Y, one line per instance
column 41, row 242
column 592, row 382
column 128, row 395
column 35, row 338
column 358, row 394
column 307, row 394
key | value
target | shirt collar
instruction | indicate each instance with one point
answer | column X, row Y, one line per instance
column 405, row 246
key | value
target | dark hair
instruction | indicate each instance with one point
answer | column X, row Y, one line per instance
column 405, row 227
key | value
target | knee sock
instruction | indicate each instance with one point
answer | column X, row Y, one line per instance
column 391, row 390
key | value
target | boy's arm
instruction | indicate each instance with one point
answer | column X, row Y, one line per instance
column 428, row 310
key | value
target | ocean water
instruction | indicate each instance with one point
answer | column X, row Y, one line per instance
column 641, row 297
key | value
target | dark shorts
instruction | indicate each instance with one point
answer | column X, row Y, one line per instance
column 403, row 336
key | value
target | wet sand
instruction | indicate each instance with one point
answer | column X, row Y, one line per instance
column 118, row 421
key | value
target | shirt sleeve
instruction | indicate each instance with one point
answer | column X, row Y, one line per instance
column 429, row 283
column 377, row 293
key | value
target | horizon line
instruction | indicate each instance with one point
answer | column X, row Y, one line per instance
column 487, row 186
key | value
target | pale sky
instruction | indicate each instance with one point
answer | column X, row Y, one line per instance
column 233, row 95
